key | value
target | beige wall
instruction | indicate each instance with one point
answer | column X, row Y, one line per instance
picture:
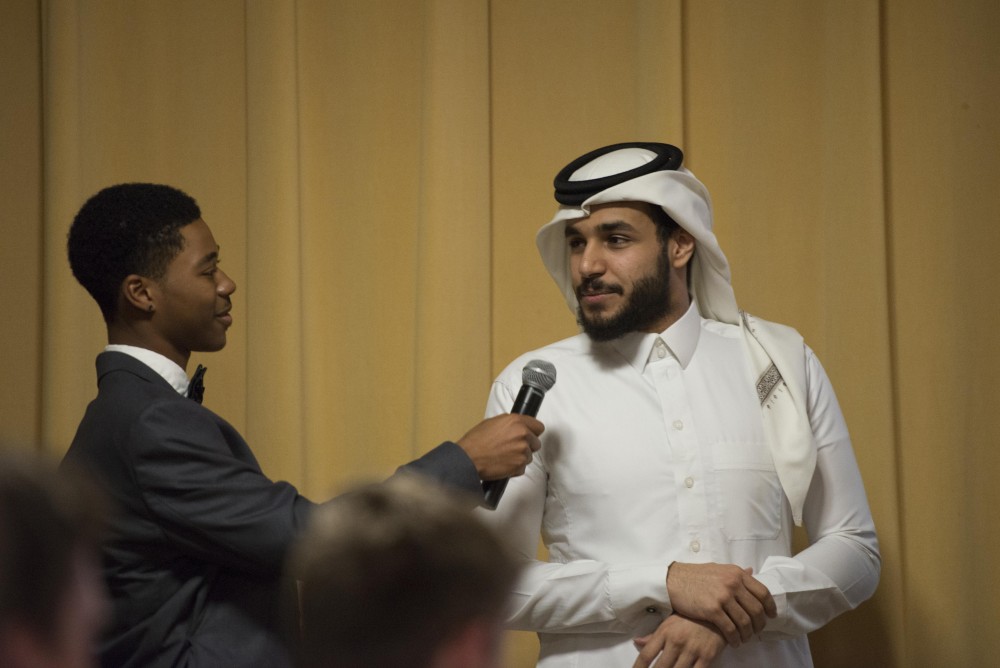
column 375, row 172
column 20, row 221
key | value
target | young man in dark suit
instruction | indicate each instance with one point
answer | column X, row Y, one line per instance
column 194, row 558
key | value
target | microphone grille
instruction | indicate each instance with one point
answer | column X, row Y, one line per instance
column 540, row 374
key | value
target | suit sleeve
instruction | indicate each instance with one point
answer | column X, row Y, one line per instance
column 198, row 478
column 448, row 465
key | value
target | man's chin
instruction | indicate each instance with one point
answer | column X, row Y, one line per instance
column 212, row 346
column 598, row 315
column 601, row 329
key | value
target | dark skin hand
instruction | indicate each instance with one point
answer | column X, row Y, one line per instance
column 502, row 446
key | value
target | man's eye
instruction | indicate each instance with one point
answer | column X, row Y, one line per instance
column 575, row 243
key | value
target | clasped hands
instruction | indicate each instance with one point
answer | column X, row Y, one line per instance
column 714, row 605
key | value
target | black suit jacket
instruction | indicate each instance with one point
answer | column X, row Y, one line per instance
column 194, row 558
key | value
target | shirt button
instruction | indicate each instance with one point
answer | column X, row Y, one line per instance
column 660, row 352
column 689, row 482
column 678, row 425
column 695, row 546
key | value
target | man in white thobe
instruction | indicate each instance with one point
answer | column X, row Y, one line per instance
column 684, row 440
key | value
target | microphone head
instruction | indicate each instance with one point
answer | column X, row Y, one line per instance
column 540, row 374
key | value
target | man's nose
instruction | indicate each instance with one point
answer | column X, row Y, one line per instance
column 592, row 261
column 225, row 286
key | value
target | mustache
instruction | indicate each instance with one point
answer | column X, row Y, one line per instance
column 595, row 286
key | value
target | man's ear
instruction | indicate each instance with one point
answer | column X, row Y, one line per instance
column 137, row 293
column 681, row 248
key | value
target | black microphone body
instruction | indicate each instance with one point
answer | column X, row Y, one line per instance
column 539, row 376
column 528, row 401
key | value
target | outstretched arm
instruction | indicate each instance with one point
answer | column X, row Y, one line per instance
column 499, row 447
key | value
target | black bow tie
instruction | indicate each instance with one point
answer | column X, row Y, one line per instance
column 196, row 388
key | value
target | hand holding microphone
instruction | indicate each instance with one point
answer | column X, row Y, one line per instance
column 537, row 378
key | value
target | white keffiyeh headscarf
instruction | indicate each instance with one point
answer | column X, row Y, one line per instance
column 776, row 351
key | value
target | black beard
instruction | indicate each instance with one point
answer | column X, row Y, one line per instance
column 648, row 303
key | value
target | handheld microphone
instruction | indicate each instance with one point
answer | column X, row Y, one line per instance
column 537, row 378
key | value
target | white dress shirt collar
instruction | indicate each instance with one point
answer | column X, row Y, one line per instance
column 164, row 366
column 680, row 339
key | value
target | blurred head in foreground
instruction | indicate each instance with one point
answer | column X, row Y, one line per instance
column 398, row 573
column 52, row 600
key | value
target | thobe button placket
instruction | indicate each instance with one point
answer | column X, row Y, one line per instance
column 695, row 546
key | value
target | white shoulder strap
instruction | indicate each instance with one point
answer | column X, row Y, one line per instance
column 777, row 353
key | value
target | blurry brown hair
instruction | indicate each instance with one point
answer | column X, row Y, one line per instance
column 46, row 516
column 390, row 572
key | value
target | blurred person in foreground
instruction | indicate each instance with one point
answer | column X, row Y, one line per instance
column 398, row 575
column 684, row 440
column 52, row 601
column 194, row 556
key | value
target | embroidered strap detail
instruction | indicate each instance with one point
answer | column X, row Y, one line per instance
column 771, row 377
column 767, row 382
column 776, row 350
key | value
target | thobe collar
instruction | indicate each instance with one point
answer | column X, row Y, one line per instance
column 680, row 339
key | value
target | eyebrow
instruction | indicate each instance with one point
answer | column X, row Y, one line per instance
column 211, row 257
column 612, row 226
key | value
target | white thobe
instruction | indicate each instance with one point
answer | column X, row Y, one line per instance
column 654, row 452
